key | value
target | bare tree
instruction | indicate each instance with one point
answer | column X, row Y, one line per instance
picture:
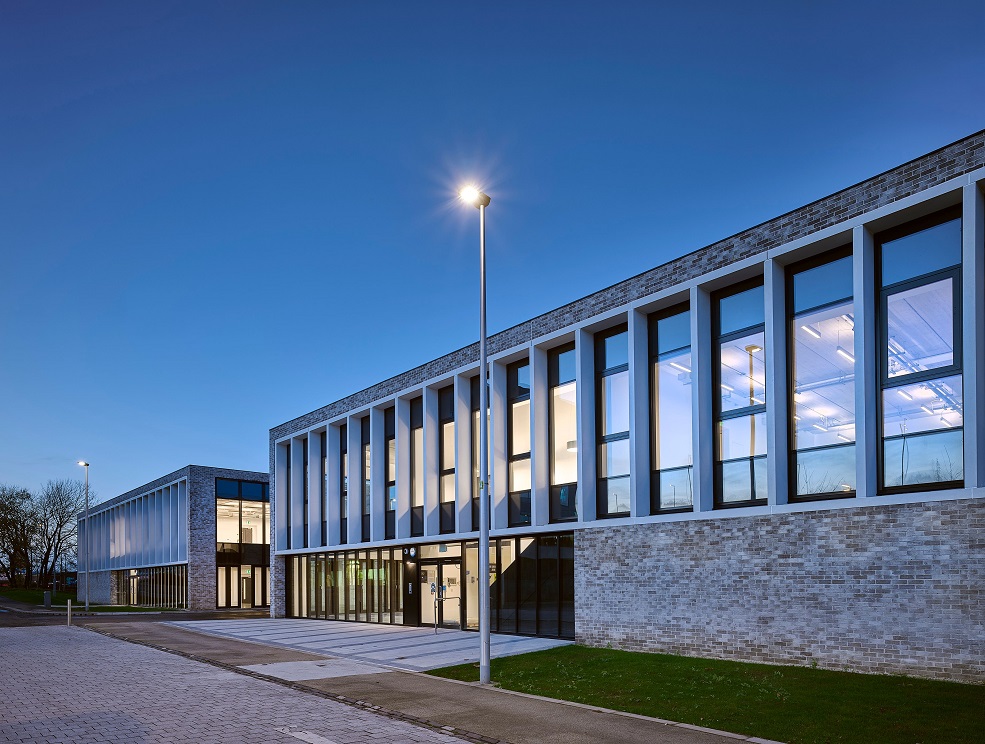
column 18, row 532
column 56, row 509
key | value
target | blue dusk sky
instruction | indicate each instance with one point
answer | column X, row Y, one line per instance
column 215, row 217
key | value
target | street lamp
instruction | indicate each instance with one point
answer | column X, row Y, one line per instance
column 84, row 464
column 472, row 195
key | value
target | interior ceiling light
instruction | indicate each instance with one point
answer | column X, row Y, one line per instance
column 947, row 423
column 681, row 367
column 811, row 331
column 728, row 388
column 843, row 437
column 928, row 410
column 845, row 354
column 905, row 394
column 818, row 427
column 849, row 319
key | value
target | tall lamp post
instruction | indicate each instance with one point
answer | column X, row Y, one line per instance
column 472, row 195
column 84, row 464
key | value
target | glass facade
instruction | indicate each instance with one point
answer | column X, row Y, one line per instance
column 324, row 487
column 740, row 402
column 304, row 492
column 242, row 543
column 446, row 459
column 343, row 484
column 612, row 422
column 365, row 476
column 159, row 586
column 417, row 467
column 390, row 447
column 563, row 432
column 821, row 356
column 672, row 460
column 518, row 442
column 531, row 585
column 921, row 406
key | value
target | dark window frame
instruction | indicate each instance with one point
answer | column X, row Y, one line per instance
column 956, row 368
column 653, row 357
column 604, row 439
column 515, row 395
column 553, row 381
column 718, row 416
column 446, row 520
column 389, row 435
column 416, row 512
column 791, row 316
column 343, row 484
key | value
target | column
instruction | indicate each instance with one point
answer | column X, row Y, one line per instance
column 333, row 488
column 866, row 367
column 354, row 517
column 585, row 398
column 403, row 468
column 432, row 495
column 297, row 492
column 377, row 474
column 639, row 415
column 499, row 467
column 702, row 400
column 777, row 414
column 540, row 456
column 315, row 486
column 973, row 325
column 463, row 454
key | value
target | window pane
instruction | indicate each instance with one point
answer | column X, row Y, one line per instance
column 224, row 487
column 672, row 410
column 447, row 488
column 520, row 475
column 252, row 531
column 743, row 372
column 741, row 310
column 617, row 495
column 743, row 480
column 826, row 470
column 615, row 350
column 227, row 520
column 391, row 498
column 615, row 460
column 448, row 445
column 520, row 428
column 417, row 467
column 824, row 377
column 391, row 460
column 565, row 367
column 822, row 285
column 564, row 435
column 921, row 328
column 674, row 332
column 523, row 379
column 924, row 458
column 921, row 253
column 615, row 403
column 676, row 488
column 252, row 491
column 925, row 406
column 744, row 436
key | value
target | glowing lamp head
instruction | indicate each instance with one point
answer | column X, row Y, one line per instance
column 472, row 195
column 83, row 463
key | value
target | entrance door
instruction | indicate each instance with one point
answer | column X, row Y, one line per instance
column 246, row 593
column 446, row 576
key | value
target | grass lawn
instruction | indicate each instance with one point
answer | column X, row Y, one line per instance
column 34, row 596
column 791, row 704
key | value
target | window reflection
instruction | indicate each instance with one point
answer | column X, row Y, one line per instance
column 518, row 392
column 563, row 433
column 612, row 375
column 920, row 324
column 670, row 390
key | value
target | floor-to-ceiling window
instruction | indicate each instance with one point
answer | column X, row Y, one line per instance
column 242, row 543
column 922, row 413
column 304, row 492
column 366, row 477
column 390, row 447
column 612, row 421
column 671, row 485
column 563, row 413
column 323, row 437
column 474, row 395
column 417, row 467
column 821, row 355
column 518, row 442
column 343, row 484
column 740, row 402
column 446, row 459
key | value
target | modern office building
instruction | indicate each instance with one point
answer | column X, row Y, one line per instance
column 197, row 538
column 772, row 448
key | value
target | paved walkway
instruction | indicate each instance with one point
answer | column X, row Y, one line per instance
column 394, row 646
column 60, row 684
column 473, row 712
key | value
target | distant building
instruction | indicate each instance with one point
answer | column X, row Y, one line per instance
column 197, row 538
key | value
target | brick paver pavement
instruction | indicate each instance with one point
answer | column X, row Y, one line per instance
column 60, row 684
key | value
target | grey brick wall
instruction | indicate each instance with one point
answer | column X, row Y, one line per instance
column 889, row 589
column 202, row 531
column 101, row 588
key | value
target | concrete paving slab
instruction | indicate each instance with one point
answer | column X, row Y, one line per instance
column 297, row 671
column 395, row 646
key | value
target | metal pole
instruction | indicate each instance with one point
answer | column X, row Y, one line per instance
column 484, row 676
column 87, row 538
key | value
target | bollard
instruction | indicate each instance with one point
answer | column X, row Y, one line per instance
column 70, row 613
column 47, row 600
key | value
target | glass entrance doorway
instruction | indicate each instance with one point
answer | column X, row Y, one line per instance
column 445, row 577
